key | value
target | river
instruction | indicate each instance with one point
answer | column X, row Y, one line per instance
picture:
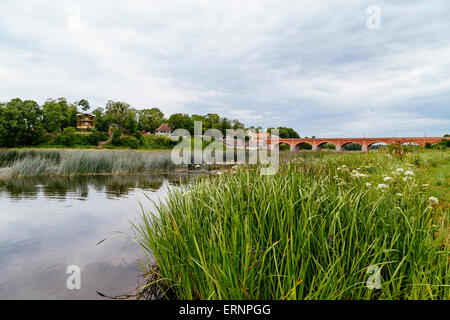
column 48, row 224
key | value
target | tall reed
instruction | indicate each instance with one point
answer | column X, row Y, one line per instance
column 311, row 231
column 16, row 163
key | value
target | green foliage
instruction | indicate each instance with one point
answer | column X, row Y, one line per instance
column 66, row 137
column 310, row 231
column 328, row 146
column 116, row 137
column 352, row 147
column 25, row 123
column 84, row 104
column 122, row 115
column 102, row 123
column 181, row 121
column 58, row 114
column 150, row 119
column 130, row 142
column 285, row 133
column 20, row 123
column 95, row 137
column 69, row 137
column 158, row 141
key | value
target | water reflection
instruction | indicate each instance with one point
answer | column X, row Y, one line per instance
column 47, row 224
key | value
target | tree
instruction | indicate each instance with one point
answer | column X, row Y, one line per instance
column 180, row 120
column 20, row 123
column 84, row 104
column 225, row 125
column 131, row 123
column 212, row 121
column 150, row 119
column 118, row 113
column 101, row 122
column 58, row 114
column 235, row 124
column 285, row 133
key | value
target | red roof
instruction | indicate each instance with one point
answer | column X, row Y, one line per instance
column 163, row 127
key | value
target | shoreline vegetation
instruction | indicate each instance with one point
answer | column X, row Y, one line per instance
column 314, row 230
column 30, row 162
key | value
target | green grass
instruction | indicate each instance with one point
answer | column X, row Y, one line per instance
column 309, row 232
column 23, row 163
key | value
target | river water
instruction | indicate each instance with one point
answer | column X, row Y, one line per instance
column 48, row 224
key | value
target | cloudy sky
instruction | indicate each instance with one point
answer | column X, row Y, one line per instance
column 311, row 65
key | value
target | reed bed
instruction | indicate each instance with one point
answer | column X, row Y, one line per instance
column 24, row 163
column 311, row 231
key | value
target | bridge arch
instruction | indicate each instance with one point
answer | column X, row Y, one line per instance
column 352, row 146
column 411, row 143
column 304, row 146
column 282, row 145
column 377, row 143
column 327, row 145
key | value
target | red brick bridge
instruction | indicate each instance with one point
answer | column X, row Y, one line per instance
column 365, row 143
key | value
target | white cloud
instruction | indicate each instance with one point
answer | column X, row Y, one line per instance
column 313, row 66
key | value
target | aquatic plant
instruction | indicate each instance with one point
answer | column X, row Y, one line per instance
column 299, row 234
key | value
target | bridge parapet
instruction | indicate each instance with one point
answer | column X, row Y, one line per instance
column 364, row 142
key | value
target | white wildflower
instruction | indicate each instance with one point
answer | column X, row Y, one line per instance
column 219, row 173
column 368, row 184
column 433, row 200
column 382, row 186
column 399, row 194
column 400, row 170
column 387, row 179
column 363, row 175
column 425, row 185
column 409, row 173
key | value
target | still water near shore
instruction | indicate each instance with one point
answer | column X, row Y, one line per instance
column 47, row 224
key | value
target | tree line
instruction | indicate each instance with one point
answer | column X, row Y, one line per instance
column 26, row 123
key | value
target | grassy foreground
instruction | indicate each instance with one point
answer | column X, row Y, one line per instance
column 309, row 232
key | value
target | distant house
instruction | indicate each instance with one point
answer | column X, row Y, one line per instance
column 163, row 129
column 258, row 140
column 85, row 121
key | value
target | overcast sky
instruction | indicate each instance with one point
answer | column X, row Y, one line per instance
column 311, row 65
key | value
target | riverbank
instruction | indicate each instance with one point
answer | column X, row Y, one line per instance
column 320, row 228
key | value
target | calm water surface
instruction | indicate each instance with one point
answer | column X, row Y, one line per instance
column 47, row 224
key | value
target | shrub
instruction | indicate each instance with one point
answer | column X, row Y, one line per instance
column 116, row 137
column 130, row 142
column 66, row 137
column 95, row 137
column 158, row 141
